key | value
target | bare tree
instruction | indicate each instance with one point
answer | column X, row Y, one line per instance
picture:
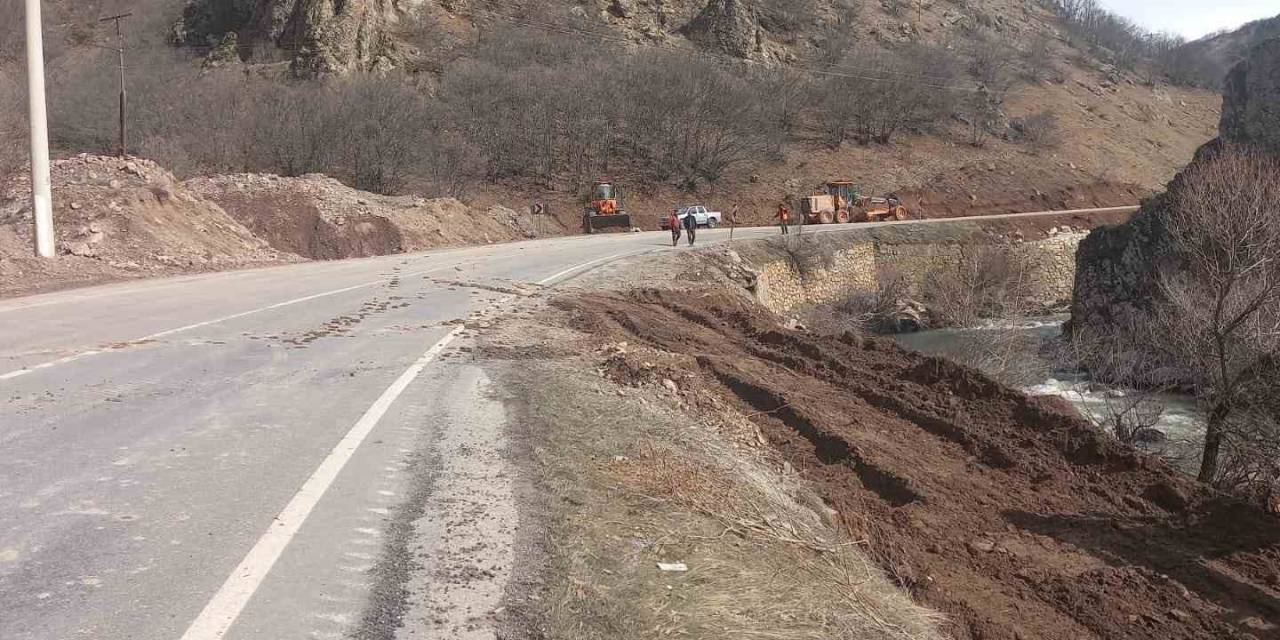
column 1040, row 129
column 786, row 96
column 1038, row 59
column 1110, row 353
column 1219, row 316
column 993, row 64
column 910, row 88
column 1126, row 44
column 980, row 282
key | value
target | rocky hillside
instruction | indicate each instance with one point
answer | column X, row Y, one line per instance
column 341, row 35
column 1118, row 266
column 508, row 102
column 1210, row 58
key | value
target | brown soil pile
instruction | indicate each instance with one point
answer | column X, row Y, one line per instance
column 1012, row 517
column 117, row 219
column 320, row 218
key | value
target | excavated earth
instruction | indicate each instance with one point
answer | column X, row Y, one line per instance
column 1005, row 512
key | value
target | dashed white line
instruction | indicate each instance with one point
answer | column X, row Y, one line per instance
column 46, row 365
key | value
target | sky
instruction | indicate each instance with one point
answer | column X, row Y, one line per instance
column 1193, row 18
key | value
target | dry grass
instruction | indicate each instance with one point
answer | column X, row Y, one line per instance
column 640, row 484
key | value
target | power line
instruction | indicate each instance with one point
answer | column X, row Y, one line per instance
column 124, row 96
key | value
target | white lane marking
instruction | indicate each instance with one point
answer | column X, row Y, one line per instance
column 618, row 256
column 171, row 332
column 230, row 600
column 227, row 604
column 235, row 316
column 46, row 365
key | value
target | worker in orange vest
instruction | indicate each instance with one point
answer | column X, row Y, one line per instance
column 784, row 217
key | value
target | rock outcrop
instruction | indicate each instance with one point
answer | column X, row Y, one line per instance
column 728, row 26
column 320, row 35
column 326, row 36
column 1251, row 100
column 1117, row 266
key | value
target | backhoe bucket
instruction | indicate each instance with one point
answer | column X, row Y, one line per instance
column 592, row 224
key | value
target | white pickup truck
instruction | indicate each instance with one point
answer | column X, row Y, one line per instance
column 705, row 217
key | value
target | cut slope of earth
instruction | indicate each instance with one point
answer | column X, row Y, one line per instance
column 318, row 217
column 1013, row 518
column 120, row 219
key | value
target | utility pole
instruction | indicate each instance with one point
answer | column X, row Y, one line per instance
column 41, row 185
column 124, row 96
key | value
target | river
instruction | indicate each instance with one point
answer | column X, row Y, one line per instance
column 1020, row 353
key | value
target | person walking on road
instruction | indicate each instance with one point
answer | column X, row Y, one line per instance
column 691, row 226
column 673, row 222
column 784, row 217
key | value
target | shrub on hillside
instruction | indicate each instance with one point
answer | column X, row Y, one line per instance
column 982, row 283
column 1039, row 130
column 909, row 89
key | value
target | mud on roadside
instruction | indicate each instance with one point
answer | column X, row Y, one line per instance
column 1010, row 518
column 618, row 479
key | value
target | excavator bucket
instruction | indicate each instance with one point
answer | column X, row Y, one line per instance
column 594, row 223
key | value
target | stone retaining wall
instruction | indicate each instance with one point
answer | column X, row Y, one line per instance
column 856, row 266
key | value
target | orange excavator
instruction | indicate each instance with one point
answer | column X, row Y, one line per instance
column 843, row 203
column 605, row 209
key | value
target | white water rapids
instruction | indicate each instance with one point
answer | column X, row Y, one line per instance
column 1180, row 419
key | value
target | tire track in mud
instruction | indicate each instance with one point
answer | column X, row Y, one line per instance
column 1014, row 519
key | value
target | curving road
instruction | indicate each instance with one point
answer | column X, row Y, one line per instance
column 278, row 453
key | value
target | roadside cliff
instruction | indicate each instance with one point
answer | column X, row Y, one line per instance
column 1117, row 266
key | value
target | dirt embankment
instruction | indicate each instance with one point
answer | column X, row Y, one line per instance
column 1011, row 517
column 120, row 219
column 320, row 218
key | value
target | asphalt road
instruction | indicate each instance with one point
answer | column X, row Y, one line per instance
column 278, row 453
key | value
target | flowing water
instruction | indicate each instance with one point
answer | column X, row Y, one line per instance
column 1020, row 353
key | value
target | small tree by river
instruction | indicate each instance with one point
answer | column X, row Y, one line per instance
column 1218, row 320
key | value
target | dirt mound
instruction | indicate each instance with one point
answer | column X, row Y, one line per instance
column 318, row 217
column 119, row 219
column 1011, row 517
